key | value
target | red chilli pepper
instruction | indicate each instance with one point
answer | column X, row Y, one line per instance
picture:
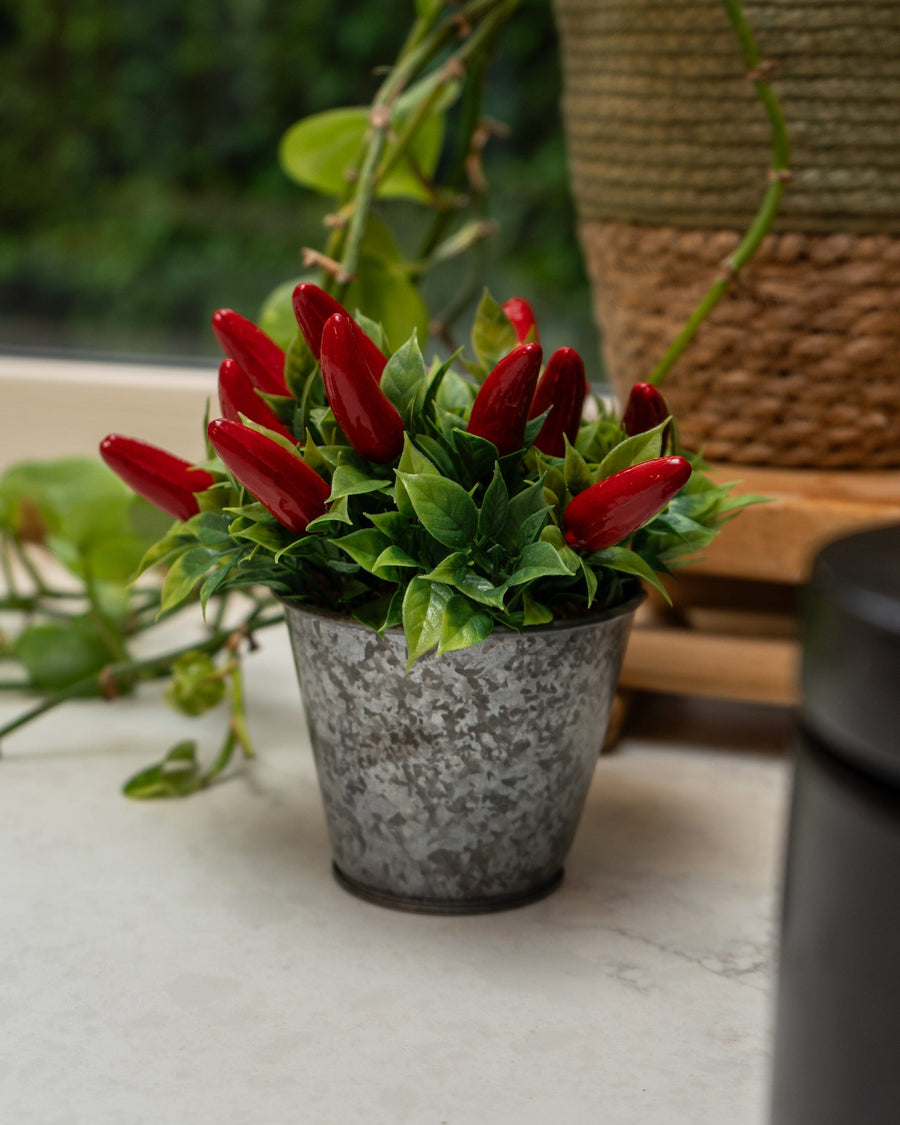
column 238, row 396
column 280, row 481
column 610, row 511
column 165, row 480
column 261, row 358
column 313, row 308
column 365, row 414
column 562, row 389
column 500, row 410
column 521, row 316
column 645, row 409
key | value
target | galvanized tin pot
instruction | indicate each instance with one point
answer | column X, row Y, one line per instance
column 456, row 787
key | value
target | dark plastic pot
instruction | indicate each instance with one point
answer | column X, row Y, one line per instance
column 838, row 1021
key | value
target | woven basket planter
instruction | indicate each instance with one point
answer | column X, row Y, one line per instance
column 669, row 150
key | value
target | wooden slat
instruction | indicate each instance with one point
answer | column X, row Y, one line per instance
column 776, row 541
column 682, row 662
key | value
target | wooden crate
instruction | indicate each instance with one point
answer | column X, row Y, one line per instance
column 732, row 630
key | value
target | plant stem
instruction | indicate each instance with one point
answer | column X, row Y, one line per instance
column 107, row 632
column 127, row 672
column 238, row 712
column 470, row 117
column 778, row 176
column 6, row 566
column 28, row 566
column 491, row 14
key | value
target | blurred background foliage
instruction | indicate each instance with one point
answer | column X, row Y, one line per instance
column 141, row 187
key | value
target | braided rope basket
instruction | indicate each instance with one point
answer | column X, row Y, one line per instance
column 799, row 364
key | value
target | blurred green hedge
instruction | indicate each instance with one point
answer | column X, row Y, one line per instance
column 140, row 185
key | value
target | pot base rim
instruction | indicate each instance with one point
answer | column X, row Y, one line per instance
column 413, row 905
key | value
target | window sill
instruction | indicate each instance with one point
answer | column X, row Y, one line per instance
column 60, row 407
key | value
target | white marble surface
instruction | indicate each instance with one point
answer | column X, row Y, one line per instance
column 194, row 961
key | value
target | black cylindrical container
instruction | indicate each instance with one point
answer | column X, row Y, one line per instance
column 837, row 1043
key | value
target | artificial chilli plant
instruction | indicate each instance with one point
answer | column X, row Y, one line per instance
column 447, row 498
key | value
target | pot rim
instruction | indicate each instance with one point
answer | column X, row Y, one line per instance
column 500, row 632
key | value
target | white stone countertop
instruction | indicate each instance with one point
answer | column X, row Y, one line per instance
column 194, row 962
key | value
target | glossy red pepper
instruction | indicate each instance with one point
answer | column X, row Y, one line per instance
column 562, row 388
column 313, row 308
column 237, row 396
column 370, row 421
column 280, row 481
column 500, row 410
column 521, row 316
column 645, row 409
column 612, row 510
column 165, row 480
column 261, row 358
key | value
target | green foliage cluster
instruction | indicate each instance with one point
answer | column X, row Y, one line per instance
column 98, row 530
column 141, row 186
column 73, row 634
column 454, row 538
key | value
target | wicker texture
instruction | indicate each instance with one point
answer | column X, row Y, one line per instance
column 663, row 126
column 799, row 365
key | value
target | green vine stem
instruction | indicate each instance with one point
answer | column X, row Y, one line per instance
column 125, row 673
column 485, row 18
column 779, row 175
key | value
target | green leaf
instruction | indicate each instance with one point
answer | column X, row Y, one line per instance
column 317, row 152
column 632, row 451
column 533, row 427
column 57, row 655
column 534, row 612
column 382, row 613
column 395, row 525
column 211, row 529
column 384, row 291
column 476, row 455
column 337, row 513
column 364, row 546
column 372, row 328
column 215, row 580
column 282, row 406
column 350, row 481
column 272, row 536
column 184, row 574
column 628, row 562
column 450, row 570
column 493, row 336
column 454, row 394
column 576, row 470
column 531, row 529
column 538, row 560
column 494, row 507
column 445, row 509
column 276, row 317
column 429, row 389
column 411, row 461
column 423, row 616
column 390, row 557
column 403, row 376
column 454, row 571
column 436, row 448
column 590, row 581
column 463, row 625
column 196, row 685
column 286, row 443
column 177, row 775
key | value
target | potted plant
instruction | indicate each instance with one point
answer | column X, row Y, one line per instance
column 459, row 554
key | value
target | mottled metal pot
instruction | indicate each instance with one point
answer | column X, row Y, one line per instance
column 456, row 787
